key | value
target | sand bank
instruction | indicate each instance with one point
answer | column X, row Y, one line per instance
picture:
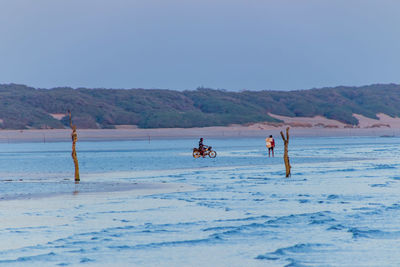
column 301, row 126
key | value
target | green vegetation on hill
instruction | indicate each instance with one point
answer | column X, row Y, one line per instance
column 23, row 107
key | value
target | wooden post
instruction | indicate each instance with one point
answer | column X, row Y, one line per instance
column 74, row 137
column 285, row 155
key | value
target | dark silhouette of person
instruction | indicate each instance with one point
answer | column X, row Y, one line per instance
column 201, row 147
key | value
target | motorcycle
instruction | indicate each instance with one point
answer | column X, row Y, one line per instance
column 207, row 151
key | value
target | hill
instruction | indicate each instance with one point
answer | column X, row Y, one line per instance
column 23, row 107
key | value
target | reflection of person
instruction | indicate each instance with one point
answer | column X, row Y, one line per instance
column 270, row 142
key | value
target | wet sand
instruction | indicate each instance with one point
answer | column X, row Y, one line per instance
column 51, row 189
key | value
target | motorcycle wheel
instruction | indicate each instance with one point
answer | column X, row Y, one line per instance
column 196, row 154
column 212, row 154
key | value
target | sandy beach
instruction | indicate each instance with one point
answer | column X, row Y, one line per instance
column 300, row 126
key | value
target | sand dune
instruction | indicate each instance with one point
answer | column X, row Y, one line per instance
column 383, row 121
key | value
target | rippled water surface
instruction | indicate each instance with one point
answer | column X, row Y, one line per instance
column 341, row 207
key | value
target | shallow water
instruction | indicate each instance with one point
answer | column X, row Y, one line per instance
column 339, row 208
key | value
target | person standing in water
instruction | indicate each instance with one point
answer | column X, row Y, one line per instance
column 270, row 142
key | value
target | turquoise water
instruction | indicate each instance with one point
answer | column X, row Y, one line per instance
column 339, row 208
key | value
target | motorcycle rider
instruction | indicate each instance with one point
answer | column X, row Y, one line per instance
column 203, row 151
column 201, row 147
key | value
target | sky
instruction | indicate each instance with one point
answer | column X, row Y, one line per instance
column 185, row 44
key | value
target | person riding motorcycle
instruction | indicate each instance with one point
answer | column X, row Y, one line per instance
column 203, row 151
column 202, row 147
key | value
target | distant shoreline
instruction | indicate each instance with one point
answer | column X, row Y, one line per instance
column 64, row 135
column 317, row 126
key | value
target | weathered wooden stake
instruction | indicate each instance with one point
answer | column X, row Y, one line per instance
column 285, row 155
column 74, row 137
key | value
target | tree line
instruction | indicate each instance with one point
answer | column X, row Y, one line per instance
column 24, row 107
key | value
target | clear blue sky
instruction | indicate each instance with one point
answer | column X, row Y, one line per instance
column 183, row 44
